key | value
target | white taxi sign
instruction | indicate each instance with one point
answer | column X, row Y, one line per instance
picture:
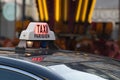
column 37, row 31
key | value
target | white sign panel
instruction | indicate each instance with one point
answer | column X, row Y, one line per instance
column 37, row 31
column 106, row 15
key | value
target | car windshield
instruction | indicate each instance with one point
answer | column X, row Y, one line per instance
column 66, row 72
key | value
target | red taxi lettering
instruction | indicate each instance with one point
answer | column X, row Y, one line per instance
column 41, row 29
column 37, row 59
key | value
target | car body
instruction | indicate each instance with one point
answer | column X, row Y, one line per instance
column 62, row 64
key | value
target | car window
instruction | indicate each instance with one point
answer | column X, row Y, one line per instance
column 8, row 73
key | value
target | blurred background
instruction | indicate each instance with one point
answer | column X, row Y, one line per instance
column 75, row 22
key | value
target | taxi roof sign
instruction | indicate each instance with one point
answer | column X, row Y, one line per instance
column 37, row 31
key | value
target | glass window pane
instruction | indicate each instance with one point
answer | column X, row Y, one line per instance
column 12, row 75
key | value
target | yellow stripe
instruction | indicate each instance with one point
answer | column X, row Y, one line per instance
column 45, row 10
column 78, row 11
column 41, row 10
column 84, row 10
column 65, row 10
column 57, row 10
column 91, row 11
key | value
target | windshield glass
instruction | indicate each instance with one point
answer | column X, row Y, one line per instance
column 71, row 74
